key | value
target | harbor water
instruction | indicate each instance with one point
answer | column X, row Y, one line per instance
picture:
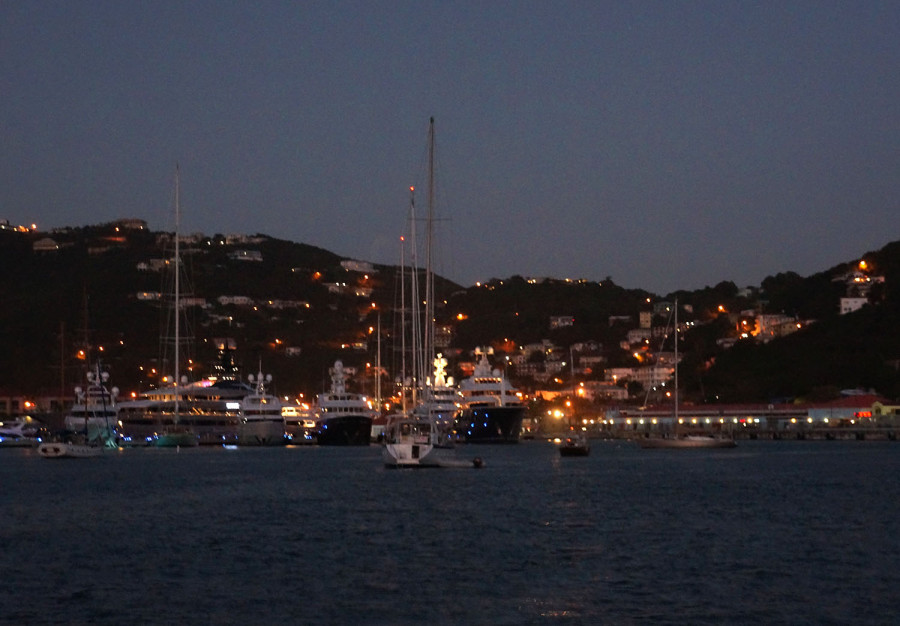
column 769, row 532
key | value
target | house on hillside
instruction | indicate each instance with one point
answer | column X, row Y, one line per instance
column 849, row 305
column 45, row 245
column 254, row 256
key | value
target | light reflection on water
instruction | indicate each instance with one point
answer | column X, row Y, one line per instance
column 770, row 531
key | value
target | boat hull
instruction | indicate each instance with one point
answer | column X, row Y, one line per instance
column 63, row 450
column 177, row 439
column 423, row 455
column 575, row 447
column 149, row 425
column 345, row 430
column 495, row 424
column 398, row 455
column 262, row 433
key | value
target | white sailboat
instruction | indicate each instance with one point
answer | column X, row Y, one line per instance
column 420, row 437
column 680, row 440
column 177, row 435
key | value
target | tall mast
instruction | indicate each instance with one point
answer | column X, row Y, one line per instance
column 415, row 301
column 378, row 366
column 429, row 269
column 676, row 362
column 177, row 292
column 403, row 320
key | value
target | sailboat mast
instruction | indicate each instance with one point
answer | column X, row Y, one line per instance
column 429, row 262
column 403, row 320
column 177, row 292
column 415, row 301
column 676, row 361
column 378, row 366
column 87, row 358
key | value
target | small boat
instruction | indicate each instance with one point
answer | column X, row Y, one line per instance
column 20, row 432
column 69, row 449
column 575, row 444
column 411, row 441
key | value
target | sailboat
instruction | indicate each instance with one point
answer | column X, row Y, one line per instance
column 683, row 440
column 420, row 438
column 177, row 435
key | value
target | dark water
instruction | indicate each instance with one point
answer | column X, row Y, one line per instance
column 772, row 532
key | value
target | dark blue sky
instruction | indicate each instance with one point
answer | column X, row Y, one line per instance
column 666, row 144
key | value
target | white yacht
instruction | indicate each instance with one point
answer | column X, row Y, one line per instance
column 95, row 412
column 262, row 423
column 90, row 425
column 207, row 411
column 440, row 403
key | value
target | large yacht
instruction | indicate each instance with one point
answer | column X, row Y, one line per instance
column 94, row 412
column 262, row 423
column 90, row 426
column 208, row 410
column 492, row 411
column 440, row 403
column 343, row 418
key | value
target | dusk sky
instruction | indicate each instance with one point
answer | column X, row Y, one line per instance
column 669, row 145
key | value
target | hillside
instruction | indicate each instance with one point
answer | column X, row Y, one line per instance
column 308, row 309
